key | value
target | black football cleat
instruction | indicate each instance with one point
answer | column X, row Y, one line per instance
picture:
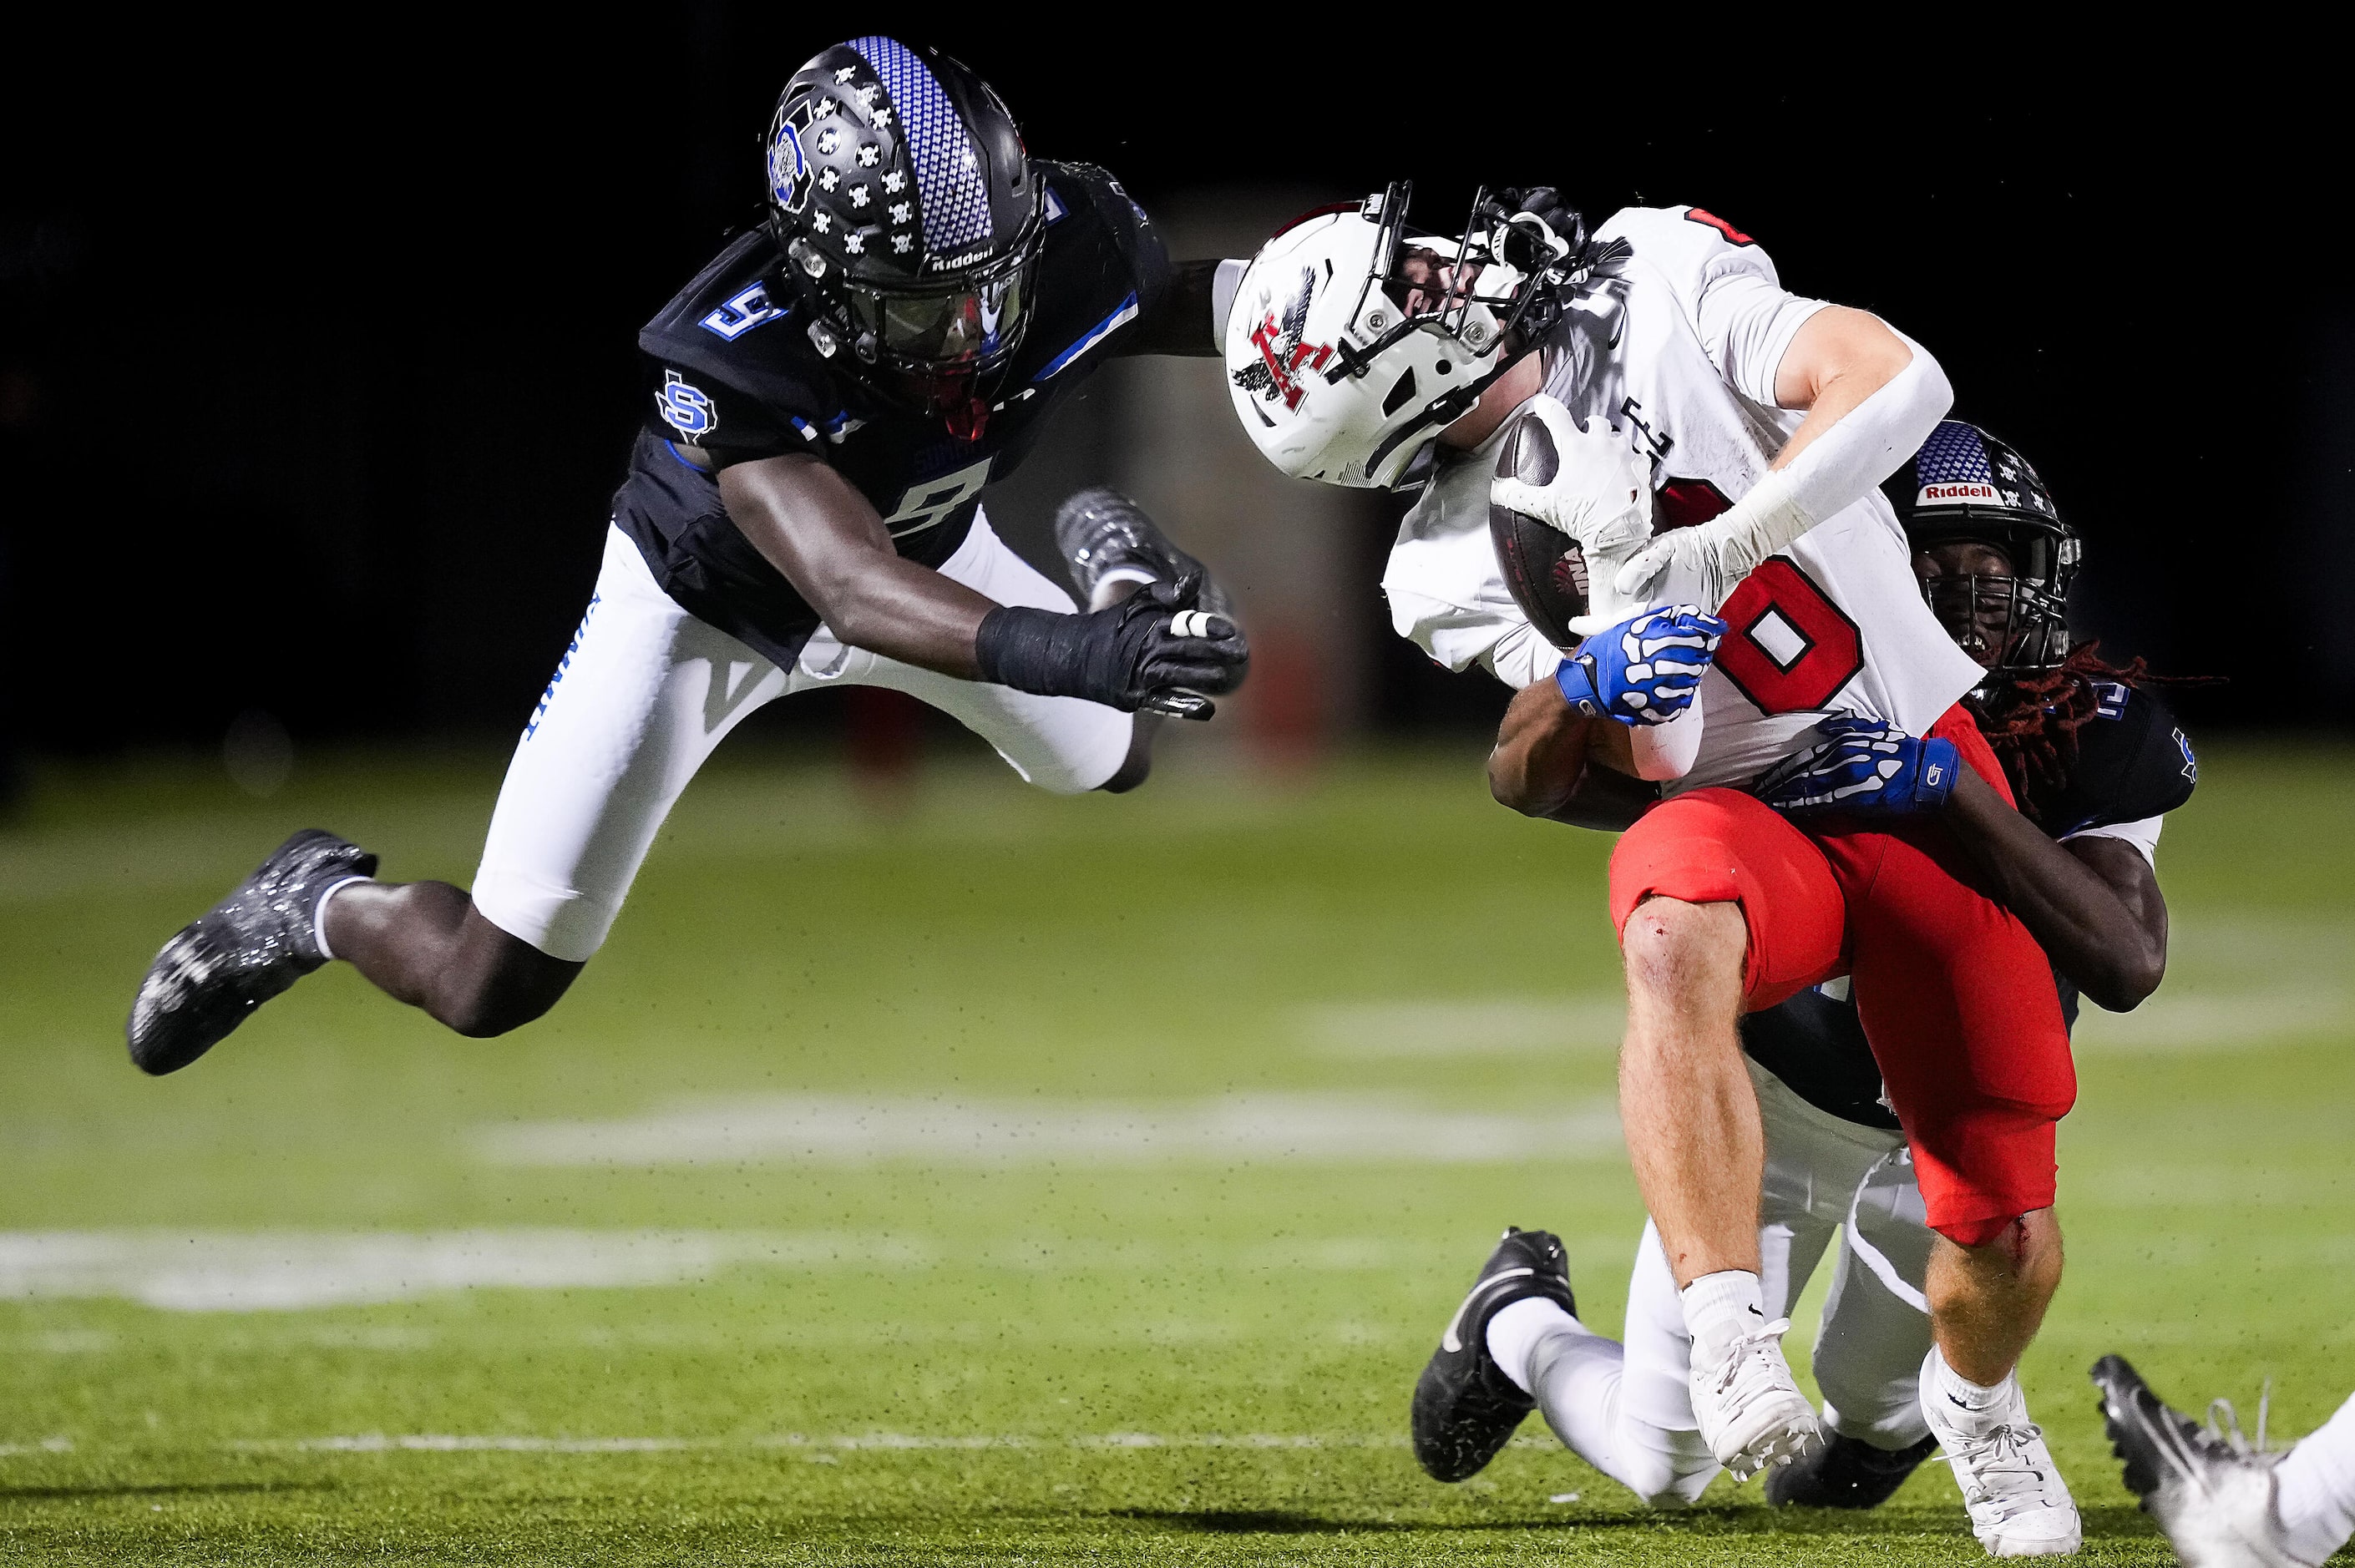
column 1466, row 1408
column 2212, row 1496
column 1098, row 530
column 248, row 948
column 1845, row 1472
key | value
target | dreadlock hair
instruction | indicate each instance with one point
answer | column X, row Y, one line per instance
column 2032, row 720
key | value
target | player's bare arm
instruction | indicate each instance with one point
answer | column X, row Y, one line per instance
column 2093, row 902
column 1554, row 762
column 1840, row 359
column 826, row 539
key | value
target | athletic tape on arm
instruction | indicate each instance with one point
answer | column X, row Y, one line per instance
column 1864, row 447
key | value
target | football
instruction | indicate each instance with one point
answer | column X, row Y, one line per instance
column 1543, row 567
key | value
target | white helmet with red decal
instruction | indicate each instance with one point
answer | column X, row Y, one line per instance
column 1351, row 344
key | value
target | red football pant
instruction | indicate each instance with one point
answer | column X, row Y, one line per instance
column 1955, row 996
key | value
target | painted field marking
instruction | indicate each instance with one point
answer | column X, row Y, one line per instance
column 1240, row 1128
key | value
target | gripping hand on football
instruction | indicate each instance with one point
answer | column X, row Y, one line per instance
column 1864, row 764
column 1600, row 494
column 1646, row 670
column 1154, row 649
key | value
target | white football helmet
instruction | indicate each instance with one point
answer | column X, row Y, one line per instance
column 1333, row 373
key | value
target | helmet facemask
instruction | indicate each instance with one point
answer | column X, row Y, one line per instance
column 2022, row 618
column 1355, row 341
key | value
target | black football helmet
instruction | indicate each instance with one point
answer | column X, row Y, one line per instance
column 1966, row 485
column 909, row 218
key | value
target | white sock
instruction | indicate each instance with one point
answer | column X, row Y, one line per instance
column 1952, row 1401
column 319, row 912
column 1099, row 597
column 1719, row 1306
column 2317, row 1500
column 1514, row 1331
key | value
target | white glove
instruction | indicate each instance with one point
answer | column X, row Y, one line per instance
column 1601, row 495
column 1714, row 557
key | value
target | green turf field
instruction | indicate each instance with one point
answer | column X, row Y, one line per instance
column 1012, row 1179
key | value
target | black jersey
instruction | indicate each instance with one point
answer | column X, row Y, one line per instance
column 2134, row 762
column 737, row 376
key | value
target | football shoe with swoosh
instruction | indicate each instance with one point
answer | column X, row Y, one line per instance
column 2214, row 1496
column 246, row 949
column 1466, row 1408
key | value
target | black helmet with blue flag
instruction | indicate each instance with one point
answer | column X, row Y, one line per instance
column 1967, row 486
column 907, row 215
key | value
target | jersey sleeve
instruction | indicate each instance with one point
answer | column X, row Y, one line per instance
column 1134, row 239
column 693, row 407
column 2135, row 763
column 1744, row 316
column 2142, row 833
column 1447, row 595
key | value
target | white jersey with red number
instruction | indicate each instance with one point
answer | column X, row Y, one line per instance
column 1675, row 345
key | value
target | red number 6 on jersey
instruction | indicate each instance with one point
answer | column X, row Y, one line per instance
column 1788, row 646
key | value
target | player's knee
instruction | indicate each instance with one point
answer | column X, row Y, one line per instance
column 2019, row 1245
column 1658, row 1481
column 481, row 1017
column 1662, row 1469
column 506, row 989
column 1670, row 945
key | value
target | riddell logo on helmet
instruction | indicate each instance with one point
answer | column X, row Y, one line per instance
column 1950, row 494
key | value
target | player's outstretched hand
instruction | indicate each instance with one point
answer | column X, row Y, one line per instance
column 1864, row 764
column 1647, row 669
column 1154, row 649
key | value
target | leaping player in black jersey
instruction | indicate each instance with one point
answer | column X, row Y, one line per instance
column 828, row 398
column 2095, row 761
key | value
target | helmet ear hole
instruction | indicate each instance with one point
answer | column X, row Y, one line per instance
column 1399, row 392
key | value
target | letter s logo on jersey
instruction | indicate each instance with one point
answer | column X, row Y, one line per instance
column 685, row 408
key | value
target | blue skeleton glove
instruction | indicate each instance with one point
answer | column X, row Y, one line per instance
column 1864, row 764
column 1646, row 670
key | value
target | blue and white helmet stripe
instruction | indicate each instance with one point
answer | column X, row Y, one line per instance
column 948, row 168
column 1953, row 455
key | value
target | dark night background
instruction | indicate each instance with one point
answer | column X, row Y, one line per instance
column 316, row 357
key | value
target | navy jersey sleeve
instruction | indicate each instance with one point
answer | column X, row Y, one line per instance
column 1132, row 256
column 730, row 370
column 694, row 407
column 2134, row 762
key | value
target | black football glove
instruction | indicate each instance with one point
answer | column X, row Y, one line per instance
column 1543, row 202
column 1153, row 650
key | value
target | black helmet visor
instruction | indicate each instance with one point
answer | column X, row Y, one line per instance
column 968, row 322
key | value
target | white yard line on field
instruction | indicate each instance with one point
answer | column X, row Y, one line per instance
column 284, row 1271
column 2183, row 1022
column 848, row 1129
column 866, row 1442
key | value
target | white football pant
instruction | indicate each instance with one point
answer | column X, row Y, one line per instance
column 647, row 691
column 1626, row 1410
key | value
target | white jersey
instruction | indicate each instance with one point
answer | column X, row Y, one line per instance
column 1675, row 345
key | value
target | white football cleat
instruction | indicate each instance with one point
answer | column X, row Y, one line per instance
column 1749, row 1407
column 2020, row 1506
column 2214, row 1496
